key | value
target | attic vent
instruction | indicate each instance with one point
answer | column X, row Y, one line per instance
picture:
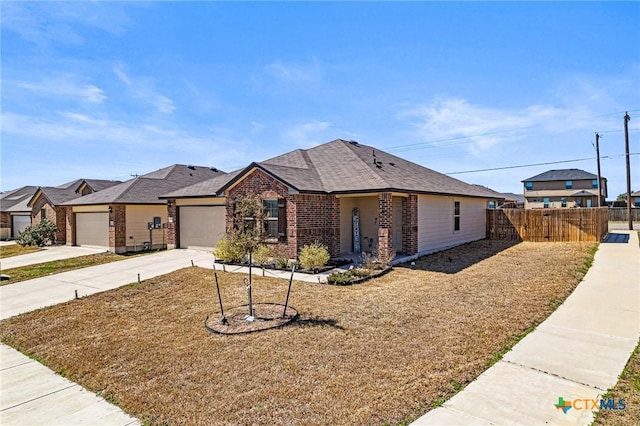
column 213, row 169
column 191, row 167
column 352, row 142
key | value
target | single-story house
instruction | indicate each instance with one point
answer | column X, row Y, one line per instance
column 15, row 214
column 564, row 188
column 47, row 202
column 130, row 216
column 348, row 196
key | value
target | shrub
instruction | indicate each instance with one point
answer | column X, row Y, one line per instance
column 313, row 256
column 227, row 251
column 261, row 255
column 340, row 278
column 39, row 235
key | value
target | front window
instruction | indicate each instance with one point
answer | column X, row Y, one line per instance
column 456, row 215
column 594, row 183
column 43, row 214
column 270, row 209
column 564, row 202
column 545, row 202
column 492, row 205
column 568, row 184
column 528, row 185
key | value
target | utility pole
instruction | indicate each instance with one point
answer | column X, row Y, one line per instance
column 626, row 150
column 599, row 179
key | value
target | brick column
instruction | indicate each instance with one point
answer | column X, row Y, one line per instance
column 117, row 229
column 172, row 225
column 410, row 224
column 385, row 225
column 71, row 227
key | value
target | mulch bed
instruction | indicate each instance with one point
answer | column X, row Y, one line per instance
column 265, row 317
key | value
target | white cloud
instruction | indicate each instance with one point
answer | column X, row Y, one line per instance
column 295, row 72
column 307, row 134
column 44, row 23
column 142, row 88
column 64, row 86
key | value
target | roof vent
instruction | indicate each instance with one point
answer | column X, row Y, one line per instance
column 352, row 142
column 190, row 167
column 392, row 164
column 213, row 169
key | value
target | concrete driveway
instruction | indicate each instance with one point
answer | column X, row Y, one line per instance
column 49, row 254
column 29, row 295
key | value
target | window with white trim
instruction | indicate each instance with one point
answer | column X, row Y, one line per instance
column 456, row 216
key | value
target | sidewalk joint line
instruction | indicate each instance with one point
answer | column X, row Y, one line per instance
column 554, row 375
column 42, row 396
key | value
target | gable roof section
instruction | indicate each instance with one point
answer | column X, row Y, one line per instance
column 147, row 188
column 58, row 195
column 97, row 184
column 562, row 174
column 16, row 200
column 207, row 188
column 349, row 167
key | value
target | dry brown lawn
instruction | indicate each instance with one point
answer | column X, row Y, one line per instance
column 380, row 352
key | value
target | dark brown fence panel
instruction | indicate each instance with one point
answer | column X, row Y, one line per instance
column 619, row 214
column 541, row 225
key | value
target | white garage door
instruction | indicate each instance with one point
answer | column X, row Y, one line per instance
column 92, row 229
column 201, row 227
column 19, row 224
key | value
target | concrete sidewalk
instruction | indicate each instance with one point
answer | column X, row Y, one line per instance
column 577, row 353
column 34, row 395
column 49, row 254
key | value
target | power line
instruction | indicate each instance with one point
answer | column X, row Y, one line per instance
column 537, row 164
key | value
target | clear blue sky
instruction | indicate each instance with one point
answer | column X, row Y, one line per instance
column 106, row 90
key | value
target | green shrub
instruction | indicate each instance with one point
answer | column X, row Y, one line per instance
column 39, row 235
column 313, row 256
column 227, row 251
column 340, row 278
column 261, row 255
column 360, row 272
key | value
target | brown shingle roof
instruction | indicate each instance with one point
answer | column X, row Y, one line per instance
column 147, row 188
column 343, row 167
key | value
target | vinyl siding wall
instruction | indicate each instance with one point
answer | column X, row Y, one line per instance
column 137, row 218
column 435, row 222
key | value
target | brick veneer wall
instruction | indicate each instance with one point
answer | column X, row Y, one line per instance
column 71, row 227
column 310, row 218
column 318, row 219
column 57, row 215
column 410, row 224
column 172, row 229
column 385, row 225
column 117, row 231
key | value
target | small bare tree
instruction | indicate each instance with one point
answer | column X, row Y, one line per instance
column 248, row 234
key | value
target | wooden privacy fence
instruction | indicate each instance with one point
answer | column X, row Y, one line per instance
column 619, row 214
column 541, row 225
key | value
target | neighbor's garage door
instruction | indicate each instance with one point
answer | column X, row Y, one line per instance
column 201, row 227
column 92, row 229
column 19, row 223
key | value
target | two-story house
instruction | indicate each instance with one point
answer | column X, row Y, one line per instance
column 564, row 188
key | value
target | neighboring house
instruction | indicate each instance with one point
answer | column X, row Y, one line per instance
column 635, row 199
column 15, row 214
column 506, row 199
column 311, row 195
column 564, row 188
column 47, row 202
column 130, row 216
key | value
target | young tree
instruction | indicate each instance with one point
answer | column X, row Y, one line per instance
column 248, row 234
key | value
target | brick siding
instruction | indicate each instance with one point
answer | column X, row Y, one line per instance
column 310, row 218
column 385, row 225
column 172, row 229
column 118, row 231
column 57, row 215
column 410, row 225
